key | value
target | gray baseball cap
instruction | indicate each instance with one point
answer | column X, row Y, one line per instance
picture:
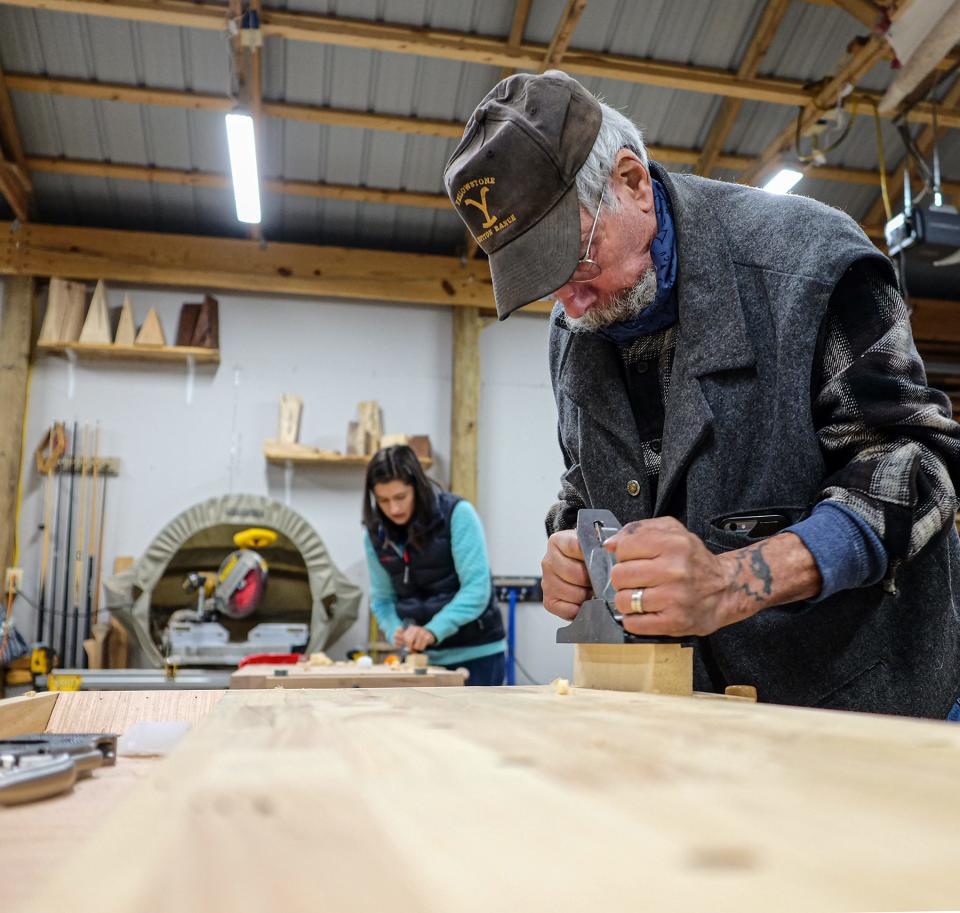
column 512, row 180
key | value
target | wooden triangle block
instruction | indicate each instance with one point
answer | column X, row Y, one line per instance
column 64, row 316
column 151, row 333
column 207, row 331
column 96, row 328
column 126, row 328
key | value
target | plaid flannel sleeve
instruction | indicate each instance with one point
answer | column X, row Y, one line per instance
column 891, row 447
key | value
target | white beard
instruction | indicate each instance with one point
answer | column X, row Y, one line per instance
column 624, row 305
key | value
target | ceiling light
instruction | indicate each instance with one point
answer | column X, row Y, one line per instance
column 243, row 164
column 783, row 181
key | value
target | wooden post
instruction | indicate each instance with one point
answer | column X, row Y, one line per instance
column 16, row 330
column 466, row 402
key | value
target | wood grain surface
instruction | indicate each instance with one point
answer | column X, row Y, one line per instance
column 479, row 798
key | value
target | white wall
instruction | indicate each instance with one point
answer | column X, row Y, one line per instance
column 175, row 453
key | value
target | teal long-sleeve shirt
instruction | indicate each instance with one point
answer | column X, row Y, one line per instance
column 473, row 568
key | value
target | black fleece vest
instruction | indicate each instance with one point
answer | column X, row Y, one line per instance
column 425, row 579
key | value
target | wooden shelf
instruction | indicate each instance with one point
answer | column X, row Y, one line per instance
column 89, row 351
column 301, row 455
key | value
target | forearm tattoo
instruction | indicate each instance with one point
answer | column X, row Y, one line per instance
column 755, row 580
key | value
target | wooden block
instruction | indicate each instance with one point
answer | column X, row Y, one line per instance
column 417, row 660
column 392, row 440
column 96, row 328
column 207, row 331
column 420, row 445
column 371, row 422
column 23, row 715
column 655, row 668
column 151, row 333
column 355, row 440
column 63, row 320
column 56, row 308
column 126, row 328
column 187, row 324
column 291, row 408
column 748, row 692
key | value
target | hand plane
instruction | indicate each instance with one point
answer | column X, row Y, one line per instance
column 598, row 621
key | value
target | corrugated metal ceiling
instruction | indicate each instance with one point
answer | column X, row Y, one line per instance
column 809, row 44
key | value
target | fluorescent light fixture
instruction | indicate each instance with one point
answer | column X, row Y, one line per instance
column 243, row 163
column 783, row 181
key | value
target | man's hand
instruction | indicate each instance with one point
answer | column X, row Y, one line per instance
column 417, row 639
column 398, row 638
column 566, row 584
column 687, row 590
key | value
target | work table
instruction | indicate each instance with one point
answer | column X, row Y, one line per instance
column 439, row 799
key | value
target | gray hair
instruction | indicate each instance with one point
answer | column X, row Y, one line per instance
column 616, row 132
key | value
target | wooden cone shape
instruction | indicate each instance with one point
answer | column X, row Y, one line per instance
column 151, row 333
column 75, row 311
column 96, row 328
column 126, row 328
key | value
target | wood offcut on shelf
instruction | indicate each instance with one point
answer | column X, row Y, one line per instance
column 113, row 352
column 301, row 455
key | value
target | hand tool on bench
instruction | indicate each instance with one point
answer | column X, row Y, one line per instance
column 39, row 766
column 607, row 655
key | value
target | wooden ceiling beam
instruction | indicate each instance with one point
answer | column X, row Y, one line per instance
column 562, row 35
column 15, row 185
column 859, row 64
column 184, row 261
column 425, row 42
column 770, row 20
column 864, row 11
column 120, row 172
column 518, row 25
column 371, row 121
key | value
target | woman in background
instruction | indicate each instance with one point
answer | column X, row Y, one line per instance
column 430, row 583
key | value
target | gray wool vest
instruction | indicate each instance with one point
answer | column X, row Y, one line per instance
column 756, row 273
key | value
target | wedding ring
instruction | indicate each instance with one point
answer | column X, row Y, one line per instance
column 636, row 602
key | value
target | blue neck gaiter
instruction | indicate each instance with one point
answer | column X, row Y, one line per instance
column 662, row 311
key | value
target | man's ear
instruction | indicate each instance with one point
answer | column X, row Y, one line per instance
column 633, row 178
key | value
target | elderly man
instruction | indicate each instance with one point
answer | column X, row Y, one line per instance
column 736, row 380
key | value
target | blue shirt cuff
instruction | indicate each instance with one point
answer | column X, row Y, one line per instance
column 847, row 551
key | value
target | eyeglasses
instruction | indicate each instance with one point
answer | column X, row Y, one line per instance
column 587, row 269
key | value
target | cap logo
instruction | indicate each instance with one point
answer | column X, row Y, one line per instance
column 488, row 219
column 491, row 225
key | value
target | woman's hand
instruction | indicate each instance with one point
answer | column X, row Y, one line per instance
column 398, row 638
column 418, row 639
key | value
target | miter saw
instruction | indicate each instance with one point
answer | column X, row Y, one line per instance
column 194, row 636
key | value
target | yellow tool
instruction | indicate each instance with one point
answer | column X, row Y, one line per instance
column 255, row 537
column 64, row 682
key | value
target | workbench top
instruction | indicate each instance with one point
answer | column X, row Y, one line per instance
column 463, row 799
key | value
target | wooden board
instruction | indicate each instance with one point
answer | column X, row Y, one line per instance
column 35, row 838
column 468, row 799
column 98, row 352
column 30, row 713
column 116, row 711
column 657, row 668
column 344, row 675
